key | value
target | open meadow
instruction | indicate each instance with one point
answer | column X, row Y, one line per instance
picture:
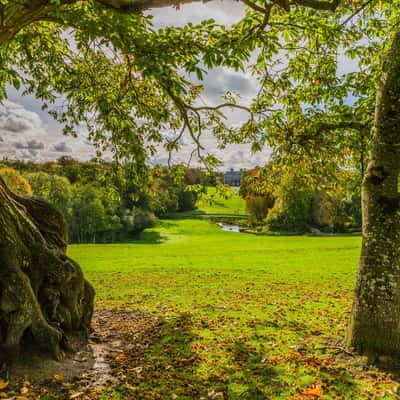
column 244, row 316
column 183, row 187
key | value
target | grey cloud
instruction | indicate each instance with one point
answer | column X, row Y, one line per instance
column 35, row 145
column 159, row 160
column 24, row 136
column 34, row 123
column 62, row 147
column 30, row 145
column 13, row 124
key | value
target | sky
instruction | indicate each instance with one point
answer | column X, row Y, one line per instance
column 27, row 132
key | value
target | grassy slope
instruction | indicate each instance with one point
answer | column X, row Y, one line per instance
column 247, row 317
column 233, row 205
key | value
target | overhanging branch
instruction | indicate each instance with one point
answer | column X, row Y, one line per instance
column 137, row 6
column 318, row 4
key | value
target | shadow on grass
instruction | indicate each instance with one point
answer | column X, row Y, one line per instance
column 168, row 372
column 187, row 214
column 149, row 237
column 173, row 370
column 179, row 368
column 259, row 378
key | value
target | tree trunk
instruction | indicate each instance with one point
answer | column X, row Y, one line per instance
column 375, row 322
column 43, row 295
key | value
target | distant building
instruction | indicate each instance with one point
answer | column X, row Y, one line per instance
column 232, row 178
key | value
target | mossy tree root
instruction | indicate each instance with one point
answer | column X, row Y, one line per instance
column 43, row 294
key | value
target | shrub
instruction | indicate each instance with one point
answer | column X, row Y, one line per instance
column 258, row 206
column 292, row 209
column 15, row 181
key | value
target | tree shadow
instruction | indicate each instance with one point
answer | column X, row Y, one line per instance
column 173, row 370
column 176, row 368
column 168, row 224
column 187, row 214
column 168, row 371
column 149, row 237
column 260, row 379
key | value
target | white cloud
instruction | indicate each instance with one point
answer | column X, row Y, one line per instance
column 25, row 136
column 16, row 119
column 29, row 133
column 235, row 156
column 225, row 13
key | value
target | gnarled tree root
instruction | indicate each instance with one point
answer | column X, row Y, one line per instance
column 43, row 294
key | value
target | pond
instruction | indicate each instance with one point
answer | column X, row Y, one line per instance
column 229, row 227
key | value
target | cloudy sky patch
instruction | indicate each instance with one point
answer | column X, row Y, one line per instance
column 31, row 134
column 27, row 132
column 62, row 147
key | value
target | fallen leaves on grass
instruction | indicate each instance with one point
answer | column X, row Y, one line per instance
column 315, row 391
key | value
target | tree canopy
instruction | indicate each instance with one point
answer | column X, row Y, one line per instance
column 103, row 64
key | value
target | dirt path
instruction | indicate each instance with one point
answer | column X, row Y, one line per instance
column 94, row 368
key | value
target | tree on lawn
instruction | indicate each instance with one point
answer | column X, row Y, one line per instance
column 102, row 63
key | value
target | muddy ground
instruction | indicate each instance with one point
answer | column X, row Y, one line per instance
column 91, row 368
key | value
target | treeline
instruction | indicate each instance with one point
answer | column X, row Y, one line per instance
column 284, row 200
column 101, row 201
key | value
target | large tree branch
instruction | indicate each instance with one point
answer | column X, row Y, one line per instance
column 142, row 5
column 318, row 4
column 136, row 6
column 17, row 15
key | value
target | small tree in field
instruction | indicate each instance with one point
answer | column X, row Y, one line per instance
column 257, row 188
column 292, row 208
column 258, row 206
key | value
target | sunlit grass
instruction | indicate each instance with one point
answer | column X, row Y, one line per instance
column 254, row 317
column 233, row 205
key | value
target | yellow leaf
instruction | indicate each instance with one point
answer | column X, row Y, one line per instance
column 76, row 395
column 24, row 390
column 58, row 378
column 314, row 392
column 3, row 385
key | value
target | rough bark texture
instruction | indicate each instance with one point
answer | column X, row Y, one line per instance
column 43, row 294
column 375, row 322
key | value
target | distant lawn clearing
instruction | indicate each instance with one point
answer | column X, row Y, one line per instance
column 234, row 205
column 246, row 317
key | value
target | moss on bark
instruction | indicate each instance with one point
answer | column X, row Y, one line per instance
column 375, row 322
column 43, row 293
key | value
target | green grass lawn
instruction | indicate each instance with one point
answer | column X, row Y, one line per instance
column 246, row 317
column 234, row 205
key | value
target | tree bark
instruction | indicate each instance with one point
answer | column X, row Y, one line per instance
column 43, row 295
column 17, row 15
column 375, row 321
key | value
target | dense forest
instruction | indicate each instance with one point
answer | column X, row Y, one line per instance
column 286, row 200
column 103, row 202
